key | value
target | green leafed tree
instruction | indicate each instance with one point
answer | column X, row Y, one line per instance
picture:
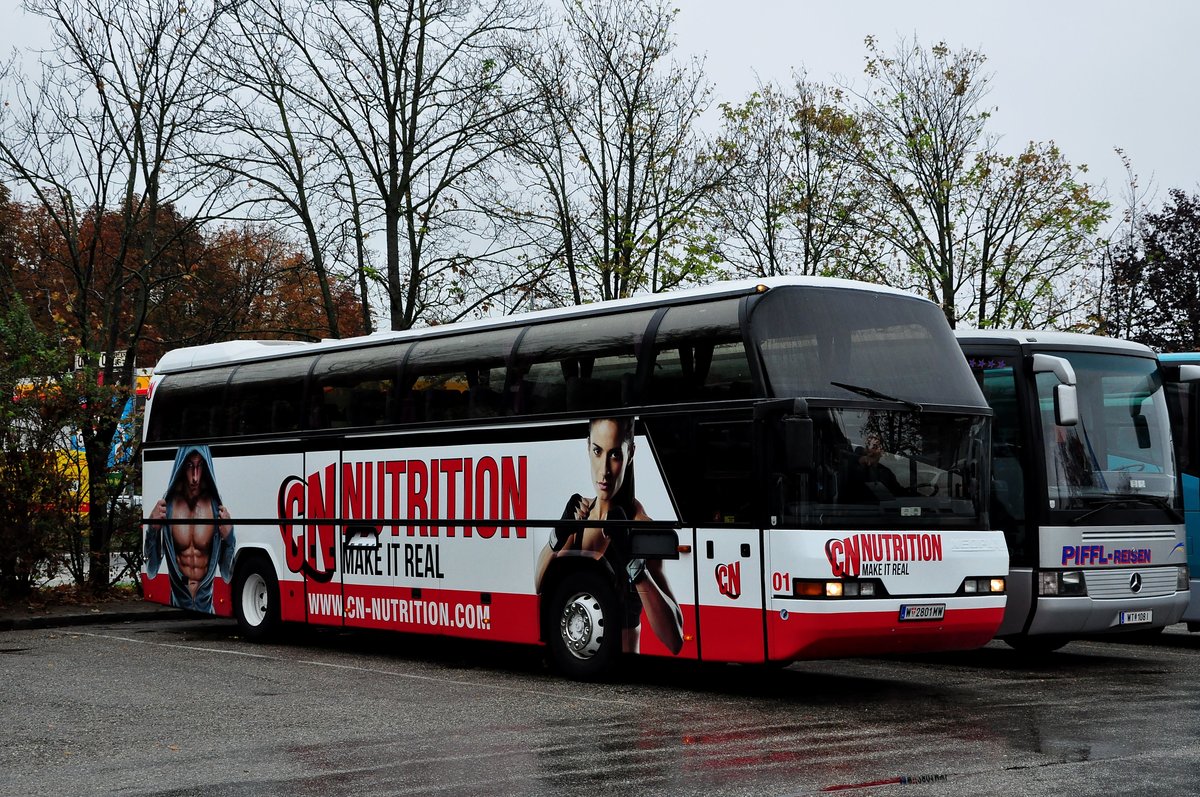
column 40, row 491
column 995, row 239
column 789, row 203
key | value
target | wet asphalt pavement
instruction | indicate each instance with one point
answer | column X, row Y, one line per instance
column 179, row 706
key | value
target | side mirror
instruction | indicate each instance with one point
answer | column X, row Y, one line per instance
column 1141, row 428
column 798, row 443
column 1066, row 401
column 1189, row 373
column 1066, row 405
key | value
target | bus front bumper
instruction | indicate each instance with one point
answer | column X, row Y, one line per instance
column 1084, row 615
column 799, row 629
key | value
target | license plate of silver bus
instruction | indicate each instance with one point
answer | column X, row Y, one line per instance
column 912, row 612
column 1131, row 618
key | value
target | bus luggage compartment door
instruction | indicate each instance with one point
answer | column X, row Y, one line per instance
column 730, row 594
column 314, row 545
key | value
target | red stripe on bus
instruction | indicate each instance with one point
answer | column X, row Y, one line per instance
column 158, row 590
column 813, row 636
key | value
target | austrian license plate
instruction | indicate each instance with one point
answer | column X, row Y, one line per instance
column 1130, row 618
column 922, row 611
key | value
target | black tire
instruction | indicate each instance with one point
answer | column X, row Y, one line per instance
column 1037, row 645
column 583, row 627
column 256, row 599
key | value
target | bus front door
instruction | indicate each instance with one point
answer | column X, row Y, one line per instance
column 729, row 596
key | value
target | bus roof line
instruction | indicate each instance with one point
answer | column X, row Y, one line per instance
column 243, row 351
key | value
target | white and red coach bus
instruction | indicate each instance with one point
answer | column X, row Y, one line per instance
column 811, row 462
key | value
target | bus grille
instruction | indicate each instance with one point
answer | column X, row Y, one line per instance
column 1156, row 582
column 1126, row 535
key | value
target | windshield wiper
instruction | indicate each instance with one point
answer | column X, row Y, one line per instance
column 1152, row 500
column 875, row 394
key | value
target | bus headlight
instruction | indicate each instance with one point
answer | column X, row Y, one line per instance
column 1182, row 579
column 977, row 586
column 848, row 588
column 1061, row 582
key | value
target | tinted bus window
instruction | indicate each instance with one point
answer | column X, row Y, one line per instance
column 583, row 364
column 1181, row 401
column 1122, row 443
column 455, row 378
column 265, row 397
column 699, row 356
column 354, row 388
column 189, row 405
column 1008, row 453
column 810, row 339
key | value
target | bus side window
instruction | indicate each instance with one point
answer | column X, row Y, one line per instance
column 354, row 388
column 440, row 397
column 699, row 356
column 188, row 405
column 457, row 378
column 265, row 397
column 727, row 489
column 597, row 359
column 706, row 371
column 1008, row 471
column 485, row 393
column 539, row 388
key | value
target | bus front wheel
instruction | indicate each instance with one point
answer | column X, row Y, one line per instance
column 256, row 599
column 583, row 627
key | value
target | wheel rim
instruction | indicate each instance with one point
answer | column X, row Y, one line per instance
column 582, row 626
column 255, row 599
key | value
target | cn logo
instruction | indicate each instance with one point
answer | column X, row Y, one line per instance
column 729, row 580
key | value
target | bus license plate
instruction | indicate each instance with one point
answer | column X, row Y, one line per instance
column 922, row 611
column 1128, row 618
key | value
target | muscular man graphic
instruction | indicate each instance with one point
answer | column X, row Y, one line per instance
column 198, row 544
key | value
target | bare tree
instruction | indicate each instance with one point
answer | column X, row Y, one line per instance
column 101, row 143
column 414, row 89
column 611, row 170
column 281, row 155
column 1122, row 297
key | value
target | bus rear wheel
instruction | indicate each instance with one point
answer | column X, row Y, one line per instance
column 256, row 599
column 583, row 627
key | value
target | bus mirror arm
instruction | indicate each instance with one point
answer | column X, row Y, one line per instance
column 1048, row 363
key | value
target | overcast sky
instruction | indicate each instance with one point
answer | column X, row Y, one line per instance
column 1090, row 76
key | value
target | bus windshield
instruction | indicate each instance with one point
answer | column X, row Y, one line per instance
column 886, row 469
column 826, row 343
column 1121, row 447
